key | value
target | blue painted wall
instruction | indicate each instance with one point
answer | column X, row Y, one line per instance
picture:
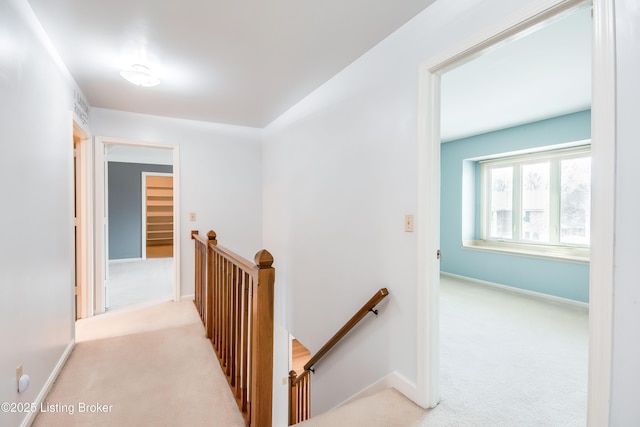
column 563, row 279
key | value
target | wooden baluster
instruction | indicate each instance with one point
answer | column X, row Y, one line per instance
column 196, row 299
column 299, row 402
column 199, row 286
column 229, row 317
column 234, row 349
column 214, row 299
column 231, row 369
column 300, row 392
column 225, row 317
column 211, row 235
column 201, row 270
column 202, row 282
column 229, row 320
column 223, row 323
column 244, row 369
column 237, row 392
column 307, row 397
column 219, row 296
column 262, row 341
column 218, row 324
column 300, row 405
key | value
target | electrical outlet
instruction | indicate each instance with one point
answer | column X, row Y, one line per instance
column 18, row 375
column 408, row 223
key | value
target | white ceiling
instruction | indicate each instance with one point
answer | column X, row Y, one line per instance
column 229, row 61
column 544, row 74
column 245, row 63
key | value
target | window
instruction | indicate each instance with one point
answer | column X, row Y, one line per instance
column 541, row 199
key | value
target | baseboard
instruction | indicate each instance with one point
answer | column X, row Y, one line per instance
column 122, row 260
column 391, row 380
column 31, row 416
column 190, row 297
column 538, row 295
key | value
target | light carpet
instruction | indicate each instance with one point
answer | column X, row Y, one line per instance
column 148, row 366
column 510, row 360
column 388, row 408
column 134, row 282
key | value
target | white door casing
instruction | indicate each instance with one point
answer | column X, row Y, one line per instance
column 100, row 220
column 603, row 152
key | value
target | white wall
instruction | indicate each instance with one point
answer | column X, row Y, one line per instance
column 340, row 173
column 220, row 178
column 136, row 154
column 625, row 410
column 36, row 219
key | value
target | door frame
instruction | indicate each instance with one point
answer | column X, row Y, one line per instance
column 101, row 220
column 84, row 221
column 602, row 204
column 144, row 176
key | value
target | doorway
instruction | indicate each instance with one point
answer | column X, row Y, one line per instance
column 508, row 119
column 603, row 135
column 157, row 215
column 125, row 274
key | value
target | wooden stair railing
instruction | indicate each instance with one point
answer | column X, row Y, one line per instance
column 201, row 263
column 234, row 298
column 300, row 385
column 299, row 397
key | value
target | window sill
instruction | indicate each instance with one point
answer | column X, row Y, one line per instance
column 558, row 253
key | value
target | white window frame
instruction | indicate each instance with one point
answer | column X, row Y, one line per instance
column 517, row 245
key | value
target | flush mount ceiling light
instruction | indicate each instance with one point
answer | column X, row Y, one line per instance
column 140, row 75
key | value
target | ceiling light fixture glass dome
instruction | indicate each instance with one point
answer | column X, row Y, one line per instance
column 140, row 75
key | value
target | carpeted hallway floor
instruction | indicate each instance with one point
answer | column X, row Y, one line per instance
column 507, row 360
column 133, row 282
column 148, row 366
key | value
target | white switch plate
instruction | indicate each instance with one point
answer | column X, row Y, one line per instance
column 408, row 223
column 192, row 216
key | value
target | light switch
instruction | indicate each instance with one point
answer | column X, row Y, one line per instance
column 192, row 216
column 408, row 223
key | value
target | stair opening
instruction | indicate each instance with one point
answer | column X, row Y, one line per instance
column 300, row 355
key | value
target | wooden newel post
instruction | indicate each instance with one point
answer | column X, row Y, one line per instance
column 211, row 236
column 262, row 342
column 293, row 398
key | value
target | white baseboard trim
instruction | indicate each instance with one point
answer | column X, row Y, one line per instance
column 31, row 416
column 121, row 260
column 189, row 297
column 391, row 380
column 539, row 295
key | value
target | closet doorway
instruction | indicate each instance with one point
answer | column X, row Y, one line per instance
column 157, row 215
